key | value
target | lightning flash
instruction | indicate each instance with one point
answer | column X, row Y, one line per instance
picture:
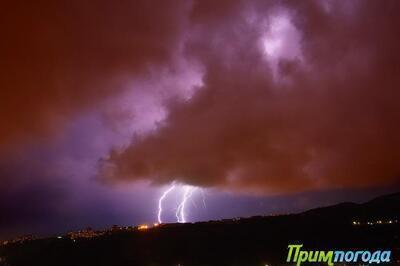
column 181, row 210
column 161, row 200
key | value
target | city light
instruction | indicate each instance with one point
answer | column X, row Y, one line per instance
column 143, row 227
column 378, row 222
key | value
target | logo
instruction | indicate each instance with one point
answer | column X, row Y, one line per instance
column 299, row 256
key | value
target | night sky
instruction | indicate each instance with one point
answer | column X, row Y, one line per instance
column 261, row 107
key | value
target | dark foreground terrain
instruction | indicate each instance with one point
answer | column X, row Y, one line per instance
column 252, row 241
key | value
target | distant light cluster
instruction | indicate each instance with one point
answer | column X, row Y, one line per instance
column 18, row 240
column 378, row 222
column 85, row 233
column 143, row 227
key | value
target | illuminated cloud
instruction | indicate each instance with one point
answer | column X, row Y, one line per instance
column 60, row 58
column 244, row 95
column 281, row 39
column 334, row 125
column 249, row 96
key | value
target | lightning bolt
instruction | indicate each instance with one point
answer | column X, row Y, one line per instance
column 203, row 198
column 180, row 212
column 161, row 200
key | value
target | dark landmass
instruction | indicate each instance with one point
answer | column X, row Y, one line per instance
column 246, row 241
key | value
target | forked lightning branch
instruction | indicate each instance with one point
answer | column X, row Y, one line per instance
column 180, row 213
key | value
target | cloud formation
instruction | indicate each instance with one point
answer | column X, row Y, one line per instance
column 250, row 96
column 266, row 96
column 59, row 58
column 296, row 96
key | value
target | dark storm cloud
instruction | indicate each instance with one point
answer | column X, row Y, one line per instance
column 295, row 95
column 59, row 57
column 328, row 117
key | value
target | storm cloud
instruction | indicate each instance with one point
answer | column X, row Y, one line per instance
column 267, row 97
column 99, row 99
column 295, row 96
column 59, row 58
